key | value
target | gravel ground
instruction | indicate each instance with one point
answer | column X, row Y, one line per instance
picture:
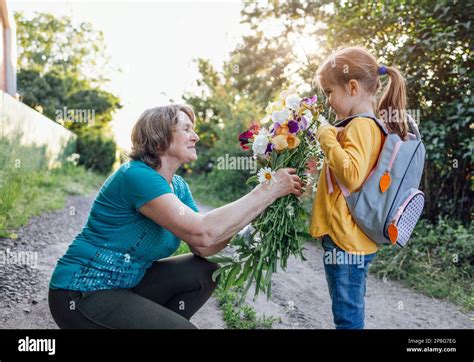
column 299, row 297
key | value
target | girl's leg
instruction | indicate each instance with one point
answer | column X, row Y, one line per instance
column 346, row 276
column 111, row 309
column 182, row 283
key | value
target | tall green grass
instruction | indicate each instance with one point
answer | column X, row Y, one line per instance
column 28, row 188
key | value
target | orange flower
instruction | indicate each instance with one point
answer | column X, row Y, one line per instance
column 280, row 142
column 283, row 129
column 292, row 141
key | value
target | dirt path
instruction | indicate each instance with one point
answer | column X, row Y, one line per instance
column 299, row 298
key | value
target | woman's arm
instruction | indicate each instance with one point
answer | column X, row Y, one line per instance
column 218, row 225
column 212, row 250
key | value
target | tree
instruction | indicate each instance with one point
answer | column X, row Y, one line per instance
column 47, row 43
column 61, row 73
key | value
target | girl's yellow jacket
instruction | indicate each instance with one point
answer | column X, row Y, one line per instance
column 350, row 155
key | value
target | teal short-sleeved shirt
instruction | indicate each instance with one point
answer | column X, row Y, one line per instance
column 118, row 243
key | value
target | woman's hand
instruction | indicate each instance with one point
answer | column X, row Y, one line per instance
column 287, row 182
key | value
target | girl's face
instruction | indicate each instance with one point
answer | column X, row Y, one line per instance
column 184, row 140
column 339, row 99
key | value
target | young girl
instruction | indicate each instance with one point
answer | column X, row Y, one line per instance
column 350, row 78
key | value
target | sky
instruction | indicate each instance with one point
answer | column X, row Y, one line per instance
column 154, row 43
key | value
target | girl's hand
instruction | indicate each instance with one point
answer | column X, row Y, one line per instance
column 311, row 166
column 287, row 182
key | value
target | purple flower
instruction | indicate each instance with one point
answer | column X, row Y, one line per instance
column 304, row 123
column 269, row 148
column 310, row 101
column 293, row 126
column 276, row 125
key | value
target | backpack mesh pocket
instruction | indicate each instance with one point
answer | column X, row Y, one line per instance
column 407, row 215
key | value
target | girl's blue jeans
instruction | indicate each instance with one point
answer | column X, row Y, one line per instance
column 346, row 276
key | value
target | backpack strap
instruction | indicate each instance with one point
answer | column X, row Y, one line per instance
column 370, row 115
column 414, row 127
column 344, row 189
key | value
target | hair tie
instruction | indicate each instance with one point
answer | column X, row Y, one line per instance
column 382, row 70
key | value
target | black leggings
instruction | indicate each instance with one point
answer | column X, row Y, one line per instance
column 170, row 293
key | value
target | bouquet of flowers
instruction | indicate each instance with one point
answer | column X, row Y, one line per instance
column 280, row 231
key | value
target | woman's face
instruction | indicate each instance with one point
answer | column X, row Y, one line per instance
column 184, row 140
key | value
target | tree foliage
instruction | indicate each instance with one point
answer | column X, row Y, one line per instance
column 429, row 41
column 62, row 71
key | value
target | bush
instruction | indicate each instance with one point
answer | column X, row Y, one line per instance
column 438, row 261
column 97, row 152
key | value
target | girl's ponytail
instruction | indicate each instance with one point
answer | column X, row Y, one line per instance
column 392, row 104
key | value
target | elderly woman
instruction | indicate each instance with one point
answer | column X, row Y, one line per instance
column 118, row 272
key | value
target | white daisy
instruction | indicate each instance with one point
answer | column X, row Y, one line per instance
column 266, row 174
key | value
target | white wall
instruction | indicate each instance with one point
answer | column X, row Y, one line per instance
column 25, row 126
column 8, row 55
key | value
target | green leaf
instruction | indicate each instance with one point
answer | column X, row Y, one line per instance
column 216, row 274
column 252, row 179
column 245, row 273
column 305, row 235
column 247, row 287
column 232, row 275
column 220, row 259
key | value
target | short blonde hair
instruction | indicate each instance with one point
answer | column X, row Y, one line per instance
column 152, row 134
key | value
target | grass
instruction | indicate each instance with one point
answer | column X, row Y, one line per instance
column 25, row 193
column 438, row 262
column 241, row 317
